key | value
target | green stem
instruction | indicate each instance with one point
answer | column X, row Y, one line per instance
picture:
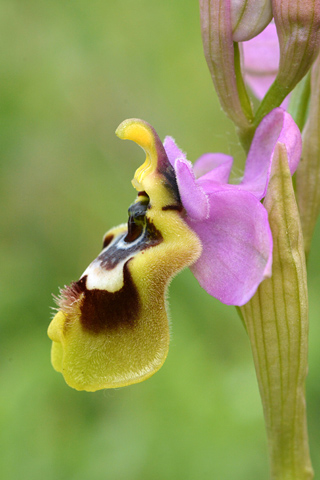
column 308, row 172
column 285, row 418
column 245, row 136
column 298, row 107
column 273, row 98
column 245, row 133
column 299, row 101
column 242, row 91
column 277, row 324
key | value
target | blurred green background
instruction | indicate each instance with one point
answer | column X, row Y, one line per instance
column 71, row 71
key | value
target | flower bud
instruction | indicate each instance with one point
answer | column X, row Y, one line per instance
column 223, row 60
column 249, row 18
column 298, row 28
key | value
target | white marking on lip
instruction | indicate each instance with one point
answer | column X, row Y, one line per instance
column 110, row 280
column 101, row 279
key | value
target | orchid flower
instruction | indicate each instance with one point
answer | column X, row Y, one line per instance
column 111, row 329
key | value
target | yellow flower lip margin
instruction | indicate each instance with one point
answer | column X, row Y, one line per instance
column 111, row 328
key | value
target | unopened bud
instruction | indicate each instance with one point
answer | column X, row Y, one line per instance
column 223, row 60
column 249, row 18
column 298, row 27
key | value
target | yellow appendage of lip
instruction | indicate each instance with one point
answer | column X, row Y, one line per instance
column 141, row 133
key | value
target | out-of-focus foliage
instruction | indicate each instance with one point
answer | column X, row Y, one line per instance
column 70, row 72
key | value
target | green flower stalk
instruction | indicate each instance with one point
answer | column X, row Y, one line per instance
column 308, row 173
column 276, row 319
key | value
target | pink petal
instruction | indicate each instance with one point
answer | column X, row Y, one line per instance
column 215, row 166
column 237, row 246
column 193, row 197
column 277, row 126
column 172, row 150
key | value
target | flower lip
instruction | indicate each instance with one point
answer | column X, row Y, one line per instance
column 112, row 329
